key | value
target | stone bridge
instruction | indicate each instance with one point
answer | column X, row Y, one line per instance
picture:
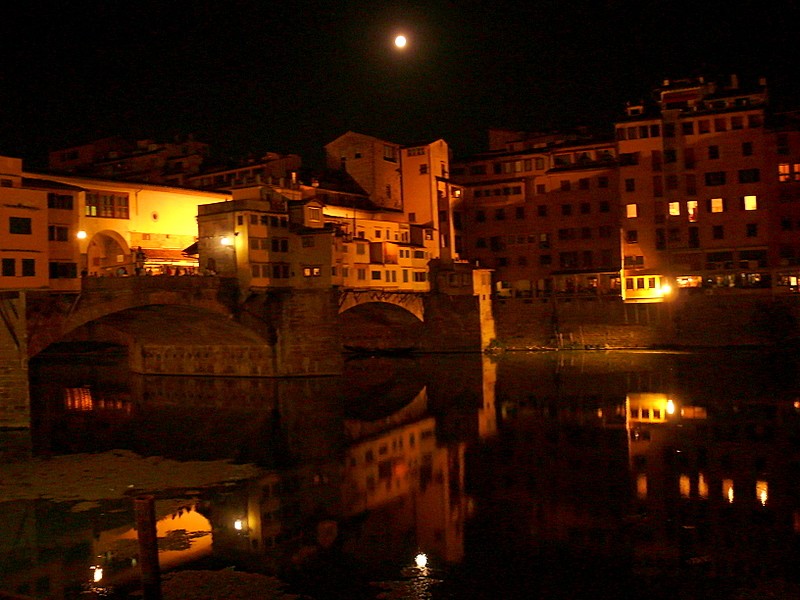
column 192, row 325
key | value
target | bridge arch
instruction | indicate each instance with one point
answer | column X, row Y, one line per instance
column 412, row 303
column 52, row 318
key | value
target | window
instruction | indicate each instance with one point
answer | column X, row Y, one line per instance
column 737, row 123
column 718, row 232
column 687, row 127
column 605, row 206
column 389, row 153
column 541, row 210
column 749, row 175
column 114, row 206
column 750, row 203
column 713, row 152
column 28, row 267
column 602, row 182
column 632, row 236
column 703, row 126
column 423, row 169
column 313, row 272
column 540, row 188
column 747, row 148
column 545, row 259
column 586, row 208
column 753, row 121
column 19, row 225
column 674, row 209
column 566, row 210
column 375, row 275
column 586, row 233
column 565, row 185
column 57, row 233
column 752, row 230
column 519, row 212
column 480, row 216
column 500, row 214
column 60, row 201
column 715, row 178
column 480, row 242
column 631, row 211
column 9, row 267
column 280, row 244
column 308, row 241
column 720, row 124
column 583, row 183
column 63, row 270
column 630, row 185
column 691, row 210
column 717, row 205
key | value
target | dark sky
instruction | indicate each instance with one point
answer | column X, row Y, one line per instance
column 257, row 76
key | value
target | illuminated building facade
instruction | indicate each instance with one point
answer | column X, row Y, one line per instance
column 542, row 211
column 699, row 170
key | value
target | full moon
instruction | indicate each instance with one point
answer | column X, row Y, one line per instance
column 400, row 41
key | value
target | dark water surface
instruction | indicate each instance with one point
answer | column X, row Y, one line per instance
column 528, row 475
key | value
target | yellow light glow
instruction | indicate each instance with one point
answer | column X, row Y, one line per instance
column 641, row 486
column 702, row 486
column 81, row 235
column 238, row 525
column 727, row 489
column 421, row 560
column 226, row 241
column 97, row 574
column 400, row 41
column 685, row 486
column 666, row 289
column 761, row 492
column 670, row 407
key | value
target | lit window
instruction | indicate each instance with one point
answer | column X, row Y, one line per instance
column 717, row 205
column 675, row 209
column 631, row 211
column 691, row 210
column 784, row 172
column 750, row 203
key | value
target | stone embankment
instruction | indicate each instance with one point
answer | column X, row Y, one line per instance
column 697, row 320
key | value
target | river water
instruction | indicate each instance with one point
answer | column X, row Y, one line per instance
column 584, row 474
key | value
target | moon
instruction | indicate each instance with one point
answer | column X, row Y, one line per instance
column 400, row 41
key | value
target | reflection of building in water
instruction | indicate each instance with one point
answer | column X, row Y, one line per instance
column 712, row 487
column 395, row 469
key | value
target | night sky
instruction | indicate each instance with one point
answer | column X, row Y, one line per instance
column 252, row 77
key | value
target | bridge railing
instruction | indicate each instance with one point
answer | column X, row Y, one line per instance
column 149, row 282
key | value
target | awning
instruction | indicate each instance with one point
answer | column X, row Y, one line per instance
column 171, row 256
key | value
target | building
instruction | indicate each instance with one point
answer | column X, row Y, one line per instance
column 707, row 187
column 24, row 247
column 99, row 227
column 542, row 211
column 169, row 163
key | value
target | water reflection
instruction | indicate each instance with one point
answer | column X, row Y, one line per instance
column 610, row 475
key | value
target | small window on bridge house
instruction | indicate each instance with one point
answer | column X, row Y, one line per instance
column 308, row 241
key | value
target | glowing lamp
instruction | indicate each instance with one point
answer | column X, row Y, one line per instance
column 238, row 525
column 670, row 407
column 421, row 560
column 226, row 241
column 81, row 235
column 400, row 41
column 97, row 574
column 666, row 289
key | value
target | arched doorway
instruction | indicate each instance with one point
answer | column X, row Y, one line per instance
column 108, row 254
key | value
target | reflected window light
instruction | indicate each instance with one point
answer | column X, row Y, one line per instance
column 670, row 407
column 641, row 486
column 421, row 560
column 702, row 486
column 685, row 486
column 761, row 492
column 727, row 489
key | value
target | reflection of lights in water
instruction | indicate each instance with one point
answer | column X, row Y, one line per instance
column 421, row 560
column 97, row 574
column 417, row 583
column 238, row 525
column 761, row 492
column 727, row 489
